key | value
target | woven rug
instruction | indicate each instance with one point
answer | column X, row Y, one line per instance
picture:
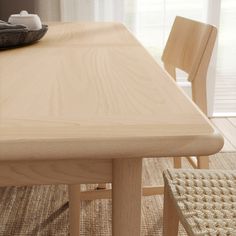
column 43, row 210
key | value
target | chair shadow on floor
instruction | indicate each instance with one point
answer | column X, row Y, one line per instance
column 50, row 219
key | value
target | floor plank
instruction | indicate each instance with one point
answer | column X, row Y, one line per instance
column 233, row 121
column 228, row 130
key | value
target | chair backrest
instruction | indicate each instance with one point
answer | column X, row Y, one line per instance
column 189, row 48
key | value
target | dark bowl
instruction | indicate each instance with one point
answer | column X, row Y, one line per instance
column 20, row 37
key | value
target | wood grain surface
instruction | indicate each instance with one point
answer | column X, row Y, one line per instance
column 92, row 91
column 22, row 173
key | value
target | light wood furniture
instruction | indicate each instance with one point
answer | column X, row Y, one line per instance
column 85, row 105
column 74, row 212
column 189, row 48
column 202, row 200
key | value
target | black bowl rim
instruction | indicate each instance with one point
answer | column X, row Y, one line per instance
column 43, row 31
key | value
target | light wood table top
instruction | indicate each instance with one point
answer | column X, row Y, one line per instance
column 92, row 91
column 85, row 105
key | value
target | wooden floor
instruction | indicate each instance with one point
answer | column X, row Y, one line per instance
column 227, row 127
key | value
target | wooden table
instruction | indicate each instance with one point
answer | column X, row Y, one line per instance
column 85, row 105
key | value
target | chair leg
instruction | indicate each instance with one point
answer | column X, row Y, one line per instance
column 74, row 209
column 177, row 162
column 203, row 162
column 101, row 186
column 170, row 215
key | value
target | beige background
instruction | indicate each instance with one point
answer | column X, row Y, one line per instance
column 47, row 10
column 8, row 7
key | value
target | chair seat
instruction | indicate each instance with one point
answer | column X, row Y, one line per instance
column 204, row 199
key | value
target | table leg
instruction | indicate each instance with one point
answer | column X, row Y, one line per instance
column 203, row 162
column 101, row 186
column 74, row 209
column 126, row 197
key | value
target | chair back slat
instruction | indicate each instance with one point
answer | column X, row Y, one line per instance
column 189, row 48
column 186, row 45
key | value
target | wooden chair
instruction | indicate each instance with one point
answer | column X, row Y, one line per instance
column 202, row 200
column 189, row 48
